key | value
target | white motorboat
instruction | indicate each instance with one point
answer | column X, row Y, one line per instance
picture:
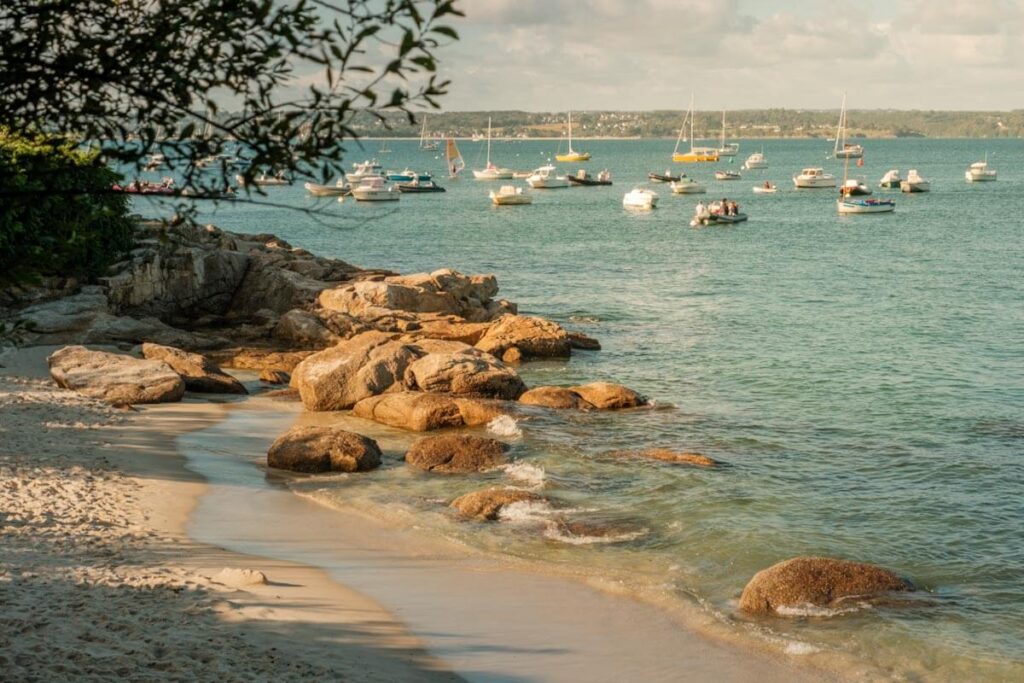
column 852, row 187
column 370, row 168
column 407, row 176
column 640, row 198
column 767, row 188
column 843, row 149
column 510, row 195
column 730, row 149
column 979, row 172
column 339, row 189
column 848, row 205
column 891, row 179
column 727, row 175
column 374, row 189
column 687, row 186
column 491, row 171
column 756, row 160
column 264, row 180
column 547, row 178
column 814, row 178
column 915, row 183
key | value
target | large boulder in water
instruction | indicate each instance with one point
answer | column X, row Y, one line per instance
column 199, row 373
column 114, row 377
column 608, row 396
column 323, row 449
column 488, row 503
column 456, row 453
column 819, row 582
column 454, row 367
column 533, row 337
column 559, row 398
column 422, row 412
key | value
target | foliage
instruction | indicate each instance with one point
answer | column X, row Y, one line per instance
column 58, row 215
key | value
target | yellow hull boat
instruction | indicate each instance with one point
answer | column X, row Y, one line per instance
column 573, row 156
column 694, row 157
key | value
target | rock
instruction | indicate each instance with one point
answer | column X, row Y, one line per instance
column 425, row 412
column 608, row 396
column 268, row 285
column 271, row 376
column 323, row 449
column 251, row 358
column 304, row 329
column 68, row 315
column 488, row 503
column 456, row 453
column 590, row 531
column 240, row 578
column 534, row 337
column 817, row 581
column 668, row 455
column 578, row 340
column 366, row 365
column 452, row 367
column 450, row 328
column 512, row 355
column 559, row 398
column 113, row 377
column 199, row 374
column 111, row 329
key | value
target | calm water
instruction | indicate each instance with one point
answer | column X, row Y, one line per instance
column 861, row 376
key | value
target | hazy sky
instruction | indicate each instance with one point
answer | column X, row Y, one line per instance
column 544, row 55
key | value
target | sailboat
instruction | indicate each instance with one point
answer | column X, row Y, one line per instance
column 843, row 149
column 426, row 144
column 492, row 172
column 696, row 154
column 455, row 161
column 725, row 150
column 572, row 155
column 847, row 205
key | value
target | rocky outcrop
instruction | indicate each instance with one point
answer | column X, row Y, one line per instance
column 456, row 453
column 323, row 449
column 271, row 376
column 453, row 367
column 819, row 582
column 304, row 329
column 254, row 358
column 113, row 377
column 667, row 455
column 533, row 337
column 488, row 503
column 199, row 373
column 422, row 412
column 584, row 342
column 608, row 396
column 559, row 398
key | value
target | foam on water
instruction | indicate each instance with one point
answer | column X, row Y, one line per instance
column 527, row 512
column 819, row 611
column 557, row 532
column 532, row 476
column 506, row 426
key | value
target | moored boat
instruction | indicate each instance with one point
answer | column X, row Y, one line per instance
column 915, row 183
column 756, row 160
column 374, row 189
column 767, row 188
column 406, row 176
column 640, row 198
column 979, row 172
column 367, row 169
column 585, row 179
column 725, row 149
column 842, row 149
column 572, row 155
column 727, row 175
column 666, row 177
column 687, row 186
column 891, row 179
column 852, row 187
column 814, row 178
column 419, row 187
column 696, row 154
column 510, row 195
column 264, row 180
column 717, row 213
column 339, row 189
column 847, row 205
column 491, row 171
column 546, row 178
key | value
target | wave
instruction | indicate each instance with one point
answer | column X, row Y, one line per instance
column 532, row 476
column 505, row 425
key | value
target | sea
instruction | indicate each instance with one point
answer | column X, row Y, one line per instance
column 861, row 378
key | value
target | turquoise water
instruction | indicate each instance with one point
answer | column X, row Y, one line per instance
column 862, row 376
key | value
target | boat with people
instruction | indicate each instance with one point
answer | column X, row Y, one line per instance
column 722, row 212
column 510, row 195
column 546, row 178
column 846, row 205
column 165, row 187
column 696, row 154
column 814, row 178
column 265, row 180
column 853, row 187
column 687, row 186
column 584, row 179
column 666, row 177
column 417, row 186
column 915, row 183
column 727, row 175
column 491, row 171
column 842, row 149
column 730, row 149
column 339, row 189
column 979, row 172
column 891, row 179
column 406, row 176
column 755, row 161
column 375, row 189
column 640, row 198
column 369, row 168
column 572, row 155
column 768, row 188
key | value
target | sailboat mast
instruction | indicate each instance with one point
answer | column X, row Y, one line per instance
column 488, row 141
column 693, row 115
column 722, row 145
column 841, row 131
column 570, row 131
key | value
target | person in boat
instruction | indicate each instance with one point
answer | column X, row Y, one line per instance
column 767, row 185
column 734, row 209
column 700, row 211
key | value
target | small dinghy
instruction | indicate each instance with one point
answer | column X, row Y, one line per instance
column 767, row 188
column 640, row 198
column 727, row 175
column 510, row 195
column 665, row 177
column 264, row 180
column 340, row 189
column 584, row 179
column 717, row 213
column 687, row 186
column 845, row 206
column 419, row 186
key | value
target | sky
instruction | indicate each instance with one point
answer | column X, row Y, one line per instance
column 552, row 55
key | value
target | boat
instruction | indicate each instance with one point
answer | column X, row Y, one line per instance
column 521, row 175
column 666, row 177
column 891, row 179
column 339, row 189
column 510, row 195
column 727, row 150
column 374, row 189
column 814, row 178
column 715, row 214
column 490, row 171
column 915, row 183
column 979, row 172
column 767, row 188
column 156, row 161
column 756, row 160
column 586, row 180
column 696, row 154
column 164, row 187
column 370, row 168
column 687, row 186
column 547, row 178
column 847, row 205
column 852, row 187
column 455, row 161
column 640, row 198
column 406, row 176
column 418, row 186
column 727, row 175
column 264, row 180
column 572, row 155
column 426, row 144
column 843, row 149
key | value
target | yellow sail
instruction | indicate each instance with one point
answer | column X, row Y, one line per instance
column 455, row 162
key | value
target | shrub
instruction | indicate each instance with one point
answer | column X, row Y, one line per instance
column 58, row 215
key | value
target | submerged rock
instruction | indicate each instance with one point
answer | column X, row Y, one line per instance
column 456, row 453
column 199, row 373
column 271, row 376
column 488, row 503
column 578, row 340
column 323, row 449
column 819, row 582
column 425, row 412
column 668, row 455
column 559, row 398
column 115, row 378
column 533, row 337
